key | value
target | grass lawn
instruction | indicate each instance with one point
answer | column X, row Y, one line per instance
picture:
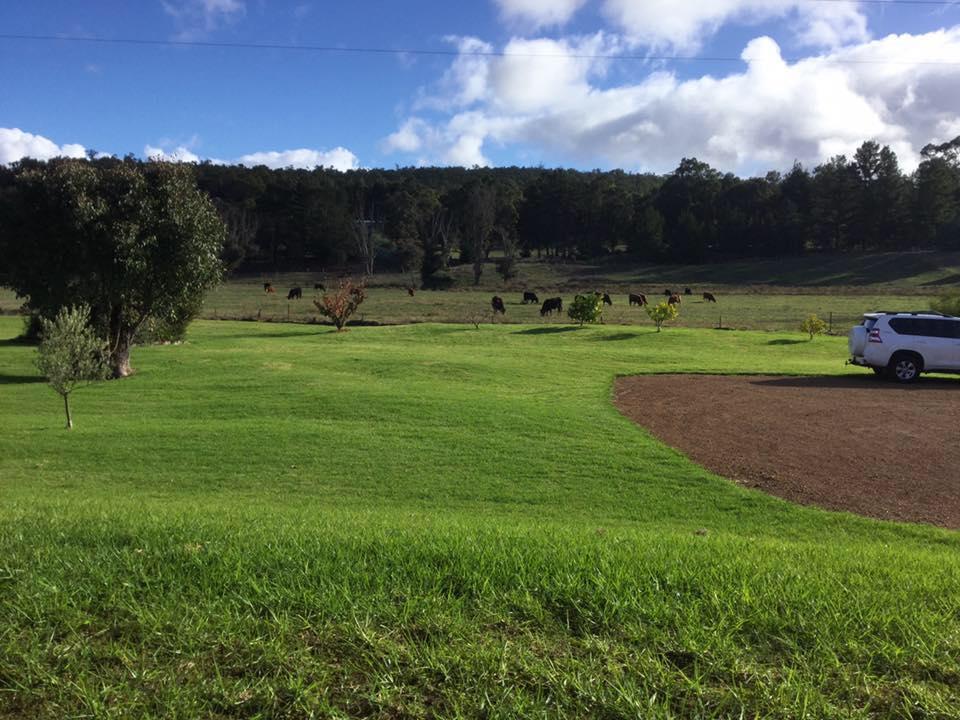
column 438, row 521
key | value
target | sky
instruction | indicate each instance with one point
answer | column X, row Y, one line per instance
column 745, row 85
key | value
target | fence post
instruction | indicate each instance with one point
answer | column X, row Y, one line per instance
column 830, row 330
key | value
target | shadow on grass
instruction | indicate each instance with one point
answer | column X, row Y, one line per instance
column 20, row 379
column 867, row 381
column 550, row 330
column 18, row 342
column 620, row 336
column 786, row 341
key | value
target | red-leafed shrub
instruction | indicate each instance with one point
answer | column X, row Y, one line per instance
column 340, row 304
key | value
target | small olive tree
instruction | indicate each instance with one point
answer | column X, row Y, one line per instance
column 662, row 313
column 71, row 354
column 586, row 308
column 813, row 326
column 340, row 304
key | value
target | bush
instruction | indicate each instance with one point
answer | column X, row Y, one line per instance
column 340, row 304
column 662, row 313
column 948, row 304
column 813, row 326
column 586, row 308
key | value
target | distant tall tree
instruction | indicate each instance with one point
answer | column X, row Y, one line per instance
column 833, row 204
column 938, row 195
column 477, row 211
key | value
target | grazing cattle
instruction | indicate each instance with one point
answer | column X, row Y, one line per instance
column 268, row 288
column 319, row 286
column 295, row 294
column 668, row 293
column 606, row 299
column 551, row 304
column 497, row 304
column 639, row 299
column 411, row 292
column 530, row 297
column 687, row 291
column 709, row 297
column 674, row 299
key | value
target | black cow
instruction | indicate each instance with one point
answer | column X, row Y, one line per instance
column 668, row 292
column 607, row 300
column 410, row 291
column 530, row 297
column 639, row 299
column 551, row 304
column 709, row 297
column 497, row 304
column 319, row 286
column 687, row 291
column 295, row 294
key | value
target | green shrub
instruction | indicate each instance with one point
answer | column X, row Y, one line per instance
column 662, row 313
column 948, row 303
column 813, row 325
column 586, row 308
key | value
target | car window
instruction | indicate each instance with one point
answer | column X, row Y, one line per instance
column 903, row 326
column 869, row 322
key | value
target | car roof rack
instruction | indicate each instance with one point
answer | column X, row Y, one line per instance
column 910, row 312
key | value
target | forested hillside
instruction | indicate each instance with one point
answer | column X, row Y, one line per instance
column 421, row 220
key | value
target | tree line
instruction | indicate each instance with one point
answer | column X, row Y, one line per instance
column 422, row 220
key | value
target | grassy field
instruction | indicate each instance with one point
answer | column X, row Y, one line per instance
column 279, row 521
column 755, row 295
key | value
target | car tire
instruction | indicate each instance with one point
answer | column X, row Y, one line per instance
column 905, row 367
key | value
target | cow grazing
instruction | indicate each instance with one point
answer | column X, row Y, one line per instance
column 674, row 299
column 319, row 286
column 268, row 288
column 606, row 299
column 295, row 293
column 550, row 305
column 530, row 297
column 687, row 291
column 668, row 292
column 709, row 297
column 639, row 299
column 410, row 291
column 497, row 304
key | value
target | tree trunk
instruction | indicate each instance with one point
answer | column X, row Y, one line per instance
column 66, row 407
column 120, row 358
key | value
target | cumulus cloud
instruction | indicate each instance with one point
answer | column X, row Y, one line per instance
column 764, row 116
column 15, row 144
column 339, row 159
column 539, row 13
column 684, row 26
column 178, row 154
column 198, row 18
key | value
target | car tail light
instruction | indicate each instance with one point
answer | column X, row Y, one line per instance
column 874, row 336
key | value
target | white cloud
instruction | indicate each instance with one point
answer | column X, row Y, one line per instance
column 539, row 13
column 197, row 18
column 339, row 159
column 15, row 144
column 762, row 117
column 683, row 26
column 178, row 154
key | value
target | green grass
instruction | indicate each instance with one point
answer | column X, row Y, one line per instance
column 438, row 521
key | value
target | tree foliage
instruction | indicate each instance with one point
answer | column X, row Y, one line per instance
column 70, row 353
column 341, row 303
column 662, row 312
column 813, row 325
column 586, row 308
column 134, row 241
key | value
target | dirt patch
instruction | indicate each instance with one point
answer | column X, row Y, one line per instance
column 850, row 443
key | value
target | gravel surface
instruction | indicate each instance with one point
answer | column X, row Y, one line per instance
column 852, row 443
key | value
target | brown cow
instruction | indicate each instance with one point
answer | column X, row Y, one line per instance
column 268, row 288
column 410, row 291
column 497, row 304
column 674, row 299
column 639, row 299
column 709, row 297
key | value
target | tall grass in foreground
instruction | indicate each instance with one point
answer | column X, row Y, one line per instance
column 278, row 521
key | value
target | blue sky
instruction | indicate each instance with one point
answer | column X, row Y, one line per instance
column 811, row 78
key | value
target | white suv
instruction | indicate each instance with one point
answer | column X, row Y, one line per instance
column 904, row 344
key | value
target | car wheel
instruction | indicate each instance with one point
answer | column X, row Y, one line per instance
column 904, row 367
